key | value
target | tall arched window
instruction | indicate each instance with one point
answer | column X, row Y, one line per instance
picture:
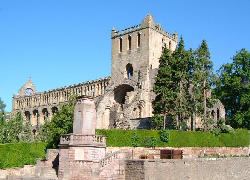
column 138, row 40
column 129, row 42
column 120, row 44
column 129, row 69
column 169, row 45
column 218, row 114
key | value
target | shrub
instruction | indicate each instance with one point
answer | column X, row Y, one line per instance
column 134, row 139
column 121, row 138
column 149, row 142
column 164, row 135
column 20, row 154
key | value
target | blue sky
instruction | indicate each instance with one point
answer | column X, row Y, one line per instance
column 63, row 42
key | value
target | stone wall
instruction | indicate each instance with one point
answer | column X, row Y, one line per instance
column 205, row 168
column 188, row 152
column 27, row 170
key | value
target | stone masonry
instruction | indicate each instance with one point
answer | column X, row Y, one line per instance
column 123, row 100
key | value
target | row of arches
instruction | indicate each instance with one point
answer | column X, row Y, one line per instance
column 37, row 117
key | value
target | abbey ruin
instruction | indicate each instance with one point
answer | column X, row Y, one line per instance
column 123, row 100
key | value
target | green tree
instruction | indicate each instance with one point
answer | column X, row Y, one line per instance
column 202, row 79
column 232, row 88
column 2, row 106
column 14, row 130
column 166, row 91
column 61, row 123
column 172, row 102
column 181, row 69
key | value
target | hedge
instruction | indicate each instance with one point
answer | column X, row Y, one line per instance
column 120, row 138
column 20, row 154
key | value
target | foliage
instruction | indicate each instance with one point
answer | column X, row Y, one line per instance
column 183, row 80
column 232, row 88
column 134, row 139
column 202, row 79
column 166, row 91
column 61, row 123
column 20, row 154
column 149, row 142
column 15, row 130
column 121, row 138
column 2, row 106
column 164, row 135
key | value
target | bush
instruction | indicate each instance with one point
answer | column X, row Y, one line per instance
column 20, row 154
column 121, row 138
column 149, row 142
column 134, row 139
column 164, row 135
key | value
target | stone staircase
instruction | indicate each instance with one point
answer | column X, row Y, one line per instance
column 112, row 166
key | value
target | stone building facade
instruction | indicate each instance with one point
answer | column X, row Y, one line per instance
column 123, row 100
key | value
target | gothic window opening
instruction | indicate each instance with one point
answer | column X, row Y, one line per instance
column 120, row 44
column 27, row 116
column 213, row 114
column 54, row 110
column 138, row 40
column 169, row 45
column 45, row 114
column 129, row 69
column 129, row 42
column 36, row 117
column 218, row 114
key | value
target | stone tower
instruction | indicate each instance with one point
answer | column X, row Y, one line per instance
column 135, row 58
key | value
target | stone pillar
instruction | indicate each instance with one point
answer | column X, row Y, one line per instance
column 84, row 117
column 82, row 150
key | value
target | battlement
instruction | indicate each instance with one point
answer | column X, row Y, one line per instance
column 148, row 22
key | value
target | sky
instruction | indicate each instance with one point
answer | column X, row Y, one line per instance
column 64, row 42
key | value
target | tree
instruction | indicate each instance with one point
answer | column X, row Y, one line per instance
column 181, row 71
column 202, row 79
column 2, row 106
column 182, row 83
column 232, row 88
column 61, row 123
column 165, row 89
column 171, row 88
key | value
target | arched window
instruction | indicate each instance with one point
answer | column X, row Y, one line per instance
column 218, row 114
column 129, row 69
column 120, row 44
column 212, row 114
column 169, row 45
column 54, row 110
column 138, row 40
column 129, row 42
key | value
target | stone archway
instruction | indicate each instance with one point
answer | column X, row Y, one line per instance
column 54, row 110
column 45, row 115
column 120, row 93
column 27, row 117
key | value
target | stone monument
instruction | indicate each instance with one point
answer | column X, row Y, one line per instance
column 81, row 152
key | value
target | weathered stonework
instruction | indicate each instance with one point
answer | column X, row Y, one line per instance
column 123, row 100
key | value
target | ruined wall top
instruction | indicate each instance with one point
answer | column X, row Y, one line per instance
column 147, row 22
column 27, row 89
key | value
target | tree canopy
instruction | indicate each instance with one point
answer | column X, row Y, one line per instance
column 232, row 88
column 61, row 123
column 182, row 82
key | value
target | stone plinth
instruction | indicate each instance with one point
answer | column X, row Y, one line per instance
column 84, row 117
column 82, row 150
